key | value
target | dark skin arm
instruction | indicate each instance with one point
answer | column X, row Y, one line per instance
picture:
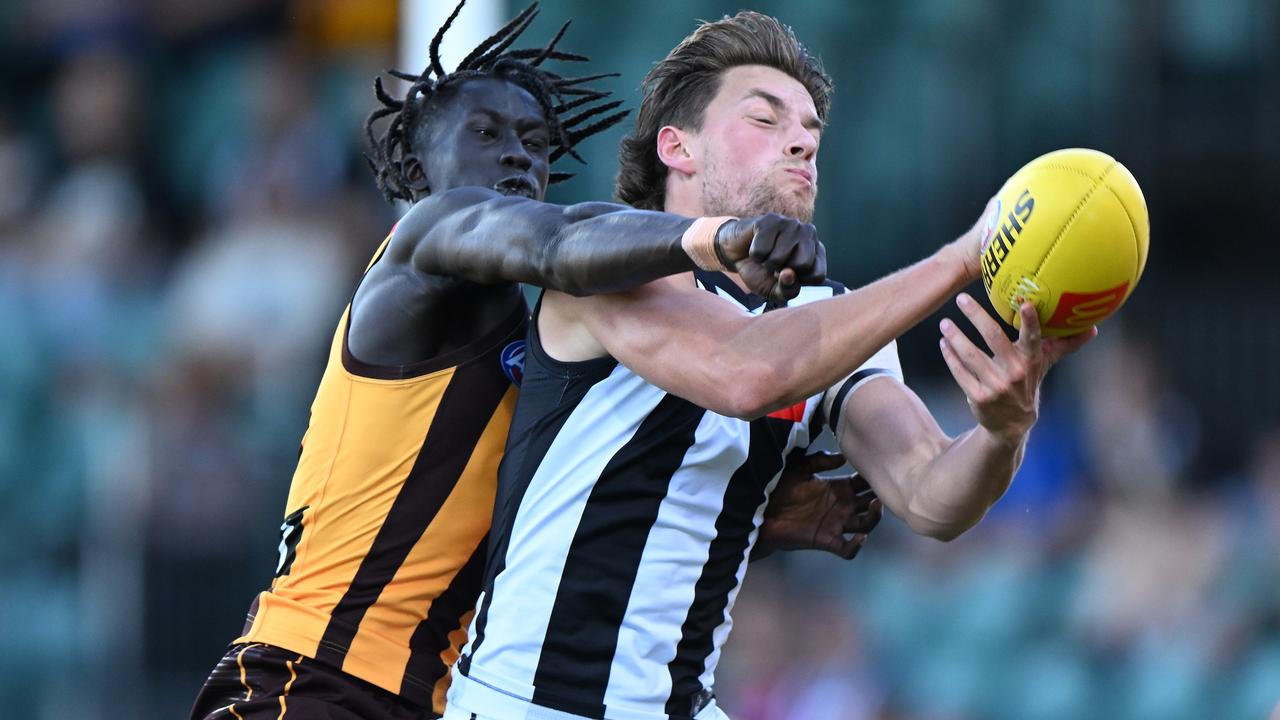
column 597, row 247
column 588, row 248
column 446, row 276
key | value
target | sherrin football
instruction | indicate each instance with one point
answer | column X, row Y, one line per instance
column 1069, row 233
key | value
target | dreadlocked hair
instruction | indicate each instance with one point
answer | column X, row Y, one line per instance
column 556, row 95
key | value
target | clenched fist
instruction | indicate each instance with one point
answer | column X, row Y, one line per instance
column 773, row 254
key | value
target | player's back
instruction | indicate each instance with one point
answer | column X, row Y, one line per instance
column 382, row 545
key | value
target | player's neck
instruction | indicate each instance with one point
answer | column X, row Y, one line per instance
column 682, row 203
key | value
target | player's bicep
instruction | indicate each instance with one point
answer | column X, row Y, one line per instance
column 669, row 332
column 888, row 434
column 884, row 362
column 476, row 234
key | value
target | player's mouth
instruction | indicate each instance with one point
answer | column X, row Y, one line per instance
column 801, row 174
column 516, row 186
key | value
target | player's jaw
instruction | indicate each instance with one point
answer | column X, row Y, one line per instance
column 782, row 198
column 787, row 189
column 787, row 199
column 797, row 186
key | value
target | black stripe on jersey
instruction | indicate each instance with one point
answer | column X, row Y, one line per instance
column 604, row 558
column 815, row 425
column 743, row 496
column 425, row 667
column 843, row 392
column 549, row 394
column 467, row 405
column 712, row 280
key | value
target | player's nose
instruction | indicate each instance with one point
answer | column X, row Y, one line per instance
column 516, row 155
column 803, row 146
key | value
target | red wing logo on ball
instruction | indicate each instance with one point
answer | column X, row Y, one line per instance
column 1077, row 311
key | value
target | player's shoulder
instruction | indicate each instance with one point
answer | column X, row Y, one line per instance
column 436, row 208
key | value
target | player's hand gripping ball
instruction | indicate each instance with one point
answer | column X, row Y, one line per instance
column 1069, row 234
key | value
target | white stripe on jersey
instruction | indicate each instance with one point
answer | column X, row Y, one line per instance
column 548, row 517
column 721, row 634
column 672, row 562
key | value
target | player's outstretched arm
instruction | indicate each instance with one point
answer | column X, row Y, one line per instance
column 942, row 486
column 482, row 236
column 711, row 352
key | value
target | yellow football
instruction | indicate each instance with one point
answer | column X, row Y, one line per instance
column 1068, row 233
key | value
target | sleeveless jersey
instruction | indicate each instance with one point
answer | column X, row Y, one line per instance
column 383, row 541
column 625, row 519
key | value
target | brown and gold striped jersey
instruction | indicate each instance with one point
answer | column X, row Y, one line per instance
column 384, row 533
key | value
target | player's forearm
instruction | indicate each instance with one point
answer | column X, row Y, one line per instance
column 603, row 248
column 952, row 492
column 791, row 354
column 582, row 249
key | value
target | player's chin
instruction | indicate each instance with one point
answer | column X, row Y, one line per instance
column 800, row 207
column 793, row 202
column 799, row 202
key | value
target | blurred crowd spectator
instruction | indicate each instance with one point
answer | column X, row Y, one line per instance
column 183, row 214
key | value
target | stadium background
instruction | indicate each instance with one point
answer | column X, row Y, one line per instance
column 183, row 211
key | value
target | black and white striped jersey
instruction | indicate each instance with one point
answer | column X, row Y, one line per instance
column 624, row 520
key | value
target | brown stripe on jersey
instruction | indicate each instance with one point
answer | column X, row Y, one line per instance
column 465, row 409
column 431, row 639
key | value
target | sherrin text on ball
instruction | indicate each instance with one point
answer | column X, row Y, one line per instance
column 1069, row 233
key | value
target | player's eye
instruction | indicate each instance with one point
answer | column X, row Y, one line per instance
column 483, row 131
column 535, row 144
column 763, row 120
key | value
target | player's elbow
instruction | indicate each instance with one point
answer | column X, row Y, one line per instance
column 944, row 529
column 743, row 406
column 553, row 271
column 944, row 533
column 752, row 393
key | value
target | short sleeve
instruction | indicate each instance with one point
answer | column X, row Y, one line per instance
column 884, row 363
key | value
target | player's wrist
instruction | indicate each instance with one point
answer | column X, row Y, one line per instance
column 1009, row 437
column 959, row 261
column 701, row 242
column 728, row 263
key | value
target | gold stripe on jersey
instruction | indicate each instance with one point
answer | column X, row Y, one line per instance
column 395, row 485
column 437, row 555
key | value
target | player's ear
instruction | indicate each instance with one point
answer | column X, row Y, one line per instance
column 415, row 175
column 675, row 150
